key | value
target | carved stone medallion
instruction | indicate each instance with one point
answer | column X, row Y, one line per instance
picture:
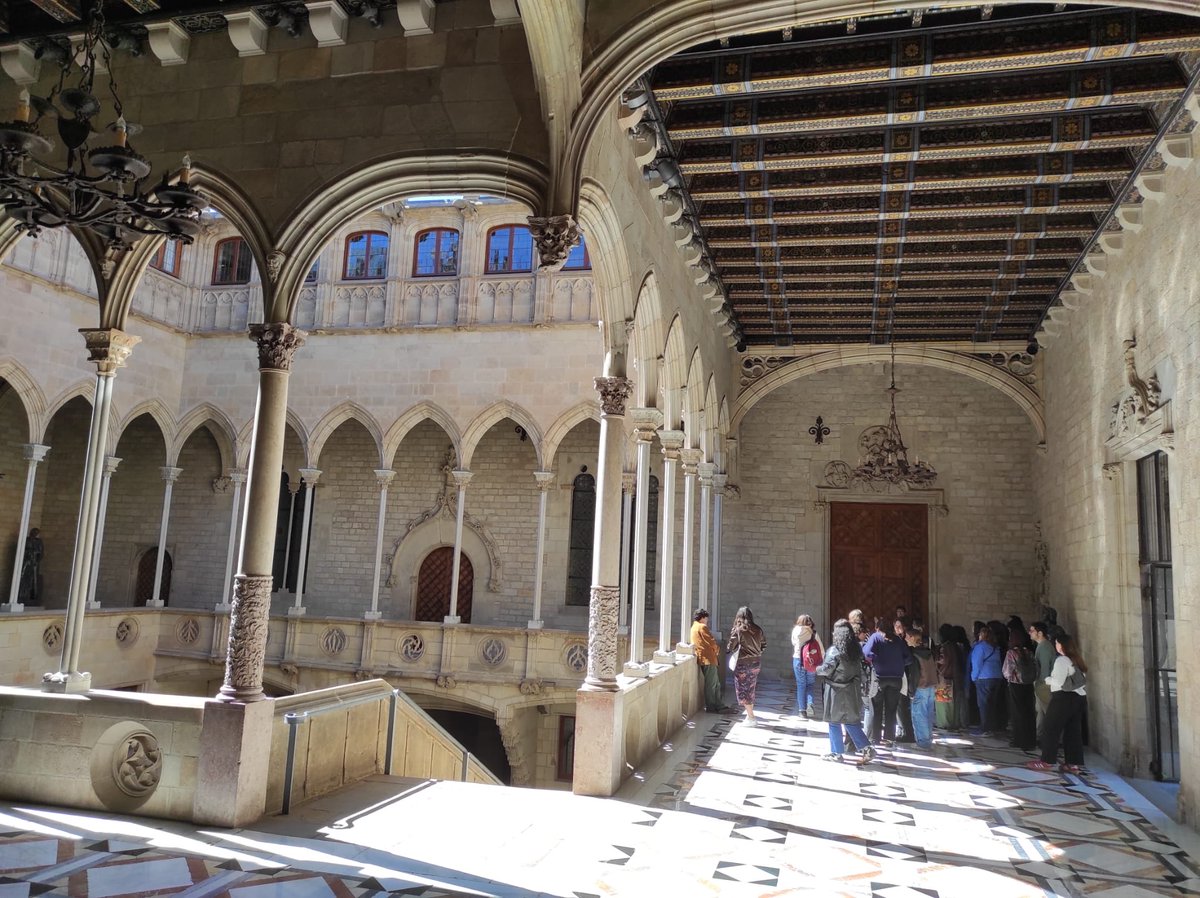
column 127, row 631
column 493, row 651
column 333, row 640
column 412, row 648
column 52, row 638
column 188, row 631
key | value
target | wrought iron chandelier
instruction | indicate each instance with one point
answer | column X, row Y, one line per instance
column 100, row 189
column 886, row 460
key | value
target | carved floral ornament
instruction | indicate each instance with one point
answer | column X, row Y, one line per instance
column 277, row 344
column 1129, row 414
column 614, row 394
column 555, row 236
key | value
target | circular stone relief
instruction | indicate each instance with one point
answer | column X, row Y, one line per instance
column 52, row 638
column 493, row 651
column 575, row 657
column 127, row 631
column 188, row 631
column 412, row 648
column 126, row 765
column 333, row 640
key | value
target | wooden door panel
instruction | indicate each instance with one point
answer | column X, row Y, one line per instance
column 433, row 586
column 879, row 558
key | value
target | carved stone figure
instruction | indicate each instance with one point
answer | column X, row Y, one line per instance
column 30, row 590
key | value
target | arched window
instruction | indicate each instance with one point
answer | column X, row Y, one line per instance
column 578, row 259
column 583, row 528
column 143, row 590
column 166, row 258
column 436, row 253
column 434, row 580
column 231, row 262
column 366, row 256
column 289, row 525
column 509, row 248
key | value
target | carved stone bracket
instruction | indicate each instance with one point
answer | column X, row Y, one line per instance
column 555, row 236
column 532, row 687
column 1132, row 411
column 275, row 260
column 445, row 681
column 1111, row 470
column 614, row 394
column 277, row 344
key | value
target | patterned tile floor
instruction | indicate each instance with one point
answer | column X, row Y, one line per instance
column 726, row 809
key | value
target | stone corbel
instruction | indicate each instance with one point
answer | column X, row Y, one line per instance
column 1177, row 150
column 446, row 682
column 555, row 236
column 1151, row 185
column 1071, row 299
column 328, row 22
column 1111, row 470
column 19, row 63
column 416, row 16
column 1113, row 244
column 672, row 206
column 1130, row 216
column 645, row 143
column 247, row 32
column 1083, row 283
column 169, row 42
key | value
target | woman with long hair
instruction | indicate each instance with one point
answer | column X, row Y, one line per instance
column 843, row 702
column 1020, row 673
column 747, row 639
column 1064, row 717
column 807, row 654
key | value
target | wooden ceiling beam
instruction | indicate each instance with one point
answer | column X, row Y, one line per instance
column 65, row 11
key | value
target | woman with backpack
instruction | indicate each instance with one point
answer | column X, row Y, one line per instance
column 746, row 644
column 1064, row 717
column 807, row 654
column 1020, row 674
column 843, row 699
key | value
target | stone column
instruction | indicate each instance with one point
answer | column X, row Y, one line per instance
column 287, row 543
column 109, row 349
column 690, row 458
column 719, row 481
column 384, row 479
column 277, row 344
column 545, row 482
column 628, row 483
column 110, row 468
column 309, row 477
column 705, row 471
column 169, row 476
column 461, row 479
column 606, row 564
column 672, row 442
column 34, row 453
column 237, row 478
column 646, row 422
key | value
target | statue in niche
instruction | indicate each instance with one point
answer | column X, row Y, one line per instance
column 30, row 590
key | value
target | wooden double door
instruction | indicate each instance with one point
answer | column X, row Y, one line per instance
column 878, row 559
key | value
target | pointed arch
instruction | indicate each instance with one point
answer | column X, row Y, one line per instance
column 493, row 415
column 693, row 401
column 82, row 389
column 334, row 418
column 563, row 425
column 674, row 376
column 28, row 394
column 208, row 415
column 245, row 438
column 610, row 269
column 647, row 341
column 162, row 417
column 420, row 412
column 709, row 442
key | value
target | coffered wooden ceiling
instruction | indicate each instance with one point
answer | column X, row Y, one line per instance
column 930, row 176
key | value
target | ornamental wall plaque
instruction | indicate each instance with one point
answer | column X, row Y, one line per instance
column 52, row 638
column 188, row 631
column 127, row 631
column 412, row 648
column 493, row 651
column 137, row 765
column 575, row 657
column 333, row 640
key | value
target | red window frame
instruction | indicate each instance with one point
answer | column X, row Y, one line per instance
column 512, row 234
column 437, row 253
column 240, row 247
column 159, row 259
column 366, row 276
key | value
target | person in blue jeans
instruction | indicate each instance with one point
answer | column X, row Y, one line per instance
column 843, row 702
column 807, row 654
column 924, row 708
column 986, row 673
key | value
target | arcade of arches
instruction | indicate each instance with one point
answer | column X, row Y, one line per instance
column 570, row 320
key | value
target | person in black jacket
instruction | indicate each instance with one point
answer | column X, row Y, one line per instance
column 841, row 670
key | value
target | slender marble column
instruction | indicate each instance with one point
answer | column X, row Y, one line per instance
column 110, row 468
column 309, row 476
column 545, row 482
column 689, row 458
column 277, row 344
column 719, row 481
column 705, row 471
column 606, row 563
column 287, row 543
column 108, row 349
column 628, row 484
column 461, row 479
column 672, row 442
column 169, row 476
column 384, row 479
column 237, row 478
column 646, row 422
column 34, row 453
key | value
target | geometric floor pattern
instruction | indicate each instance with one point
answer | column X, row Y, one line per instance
column 736, row 811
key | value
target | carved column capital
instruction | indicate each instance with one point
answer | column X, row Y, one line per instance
column 461, row 478
column 1111, row 470
column 719, row 481
column 169, row 474
column 707, row 470
column 555, row 237
column 110, row 465
column 691, row 459
column 237, row 475
column 628, row 481
column 672, row 443
column 384, row 478
column 545, row 480
column 646, row 422
column 614, row 393
column 277, row 344
column 310, row 476
column 35, row 452
column 109, row 348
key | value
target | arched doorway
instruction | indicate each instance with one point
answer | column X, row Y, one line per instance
column 143, row 591
column 433, row 586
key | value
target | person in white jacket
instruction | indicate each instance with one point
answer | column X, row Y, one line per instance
column 1064, row 716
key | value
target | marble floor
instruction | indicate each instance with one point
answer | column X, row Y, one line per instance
column 725, row 809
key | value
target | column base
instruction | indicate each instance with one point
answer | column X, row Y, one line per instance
column 297, row 611
column 636, row 670
column 95, row 606
column 153, row 603
column 235, row 752
column 665, row 658
column 11, row 608
column 373, row 615
column 684, row 648
column 452, row 619
column 536, row 625
column 67, row 683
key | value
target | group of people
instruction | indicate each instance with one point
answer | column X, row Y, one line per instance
column 891, row 683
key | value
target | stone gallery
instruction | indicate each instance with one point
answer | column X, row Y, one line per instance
column 385, row 385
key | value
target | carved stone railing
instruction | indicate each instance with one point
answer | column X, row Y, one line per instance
column 229, row 308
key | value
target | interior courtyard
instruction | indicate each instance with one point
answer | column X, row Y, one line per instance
column 374, row 484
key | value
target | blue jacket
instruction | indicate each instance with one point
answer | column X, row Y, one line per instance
column 986, row 661
column 888, row 656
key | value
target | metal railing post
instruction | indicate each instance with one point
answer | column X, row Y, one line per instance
column 466, row 762
column 292, row 719
column 391, row 733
